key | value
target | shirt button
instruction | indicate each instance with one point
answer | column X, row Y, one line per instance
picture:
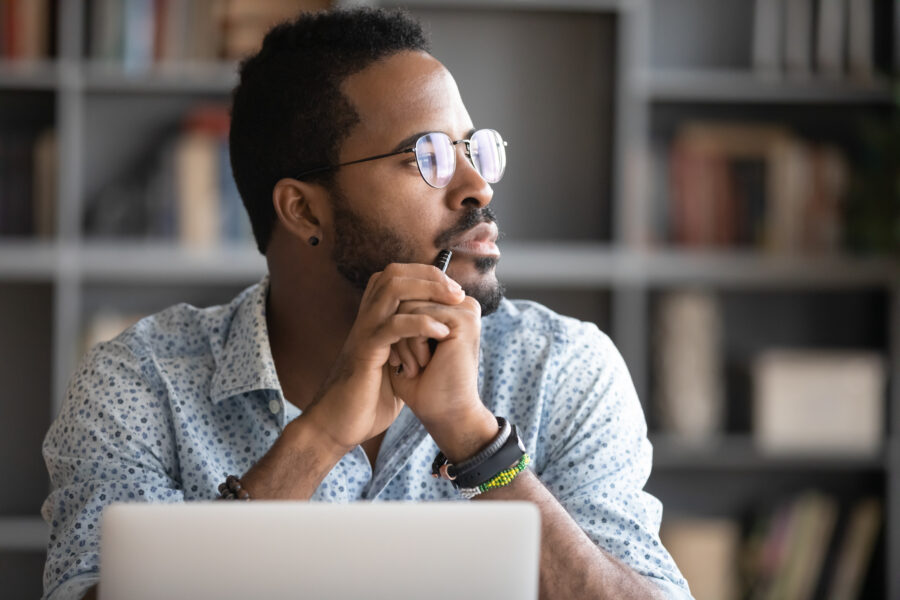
column 274, row 406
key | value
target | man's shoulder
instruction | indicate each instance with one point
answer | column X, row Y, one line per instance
column 528, row 318
column 181, row 329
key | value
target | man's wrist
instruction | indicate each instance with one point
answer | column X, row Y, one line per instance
column 305, row 431
column 463, row 437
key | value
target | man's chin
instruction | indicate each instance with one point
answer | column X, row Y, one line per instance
column 487, row 290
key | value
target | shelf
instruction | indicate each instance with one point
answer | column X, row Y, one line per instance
column 29, row 75
column 737, row 86
column 23, row 533
column 140, row 263
column 28, row 260
column 546, row 265
column 201, row 77
column 740, row 453
column 589, row 265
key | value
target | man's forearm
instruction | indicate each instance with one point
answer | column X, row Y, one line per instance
column 294, row 466
column 572, row 566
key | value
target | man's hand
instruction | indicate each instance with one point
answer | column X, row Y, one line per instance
column 357, row 401
column 442, row 390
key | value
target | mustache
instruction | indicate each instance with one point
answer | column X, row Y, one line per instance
column 468, row 220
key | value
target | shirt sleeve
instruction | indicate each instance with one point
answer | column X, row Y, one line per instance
column 104, row 447
column 597, row 457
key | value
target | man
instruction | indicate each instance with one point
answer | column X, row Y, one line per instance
column 342, row 374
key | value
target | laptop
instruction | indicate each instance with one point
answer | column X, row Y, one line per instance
column 392, row 550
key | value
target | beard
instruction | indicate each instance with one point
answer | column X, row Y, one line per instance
column 363, row 248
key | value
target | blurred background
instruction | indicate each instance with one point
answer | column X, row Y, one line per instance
column 715, row 183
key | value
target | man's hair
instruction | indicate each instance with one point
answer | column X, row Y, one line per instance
column 288, row 113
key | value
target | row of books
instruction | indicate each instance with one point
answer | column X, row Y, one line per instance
column 28, row 29
column 139, row 33
column 830, row 38
column 187, row 194
column 28, row 182
column 806, row 547
column 805, row 401
column 723, row 184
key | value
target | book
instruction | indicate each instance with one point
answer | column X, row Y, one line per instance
column 790, row 187
column 768, row 36
column 817, row 401
column 831, row 35
column 706, row 551
column 855, row 551
column 32, row 25
column 798, row 18
column 107, row 19
column 689, row 391
column 183, row 190
column 46, row 183
column 137, row 38
column 860, row 40
column 815, row 516
column 754, row 185
column 172, row 31
column 198, row 215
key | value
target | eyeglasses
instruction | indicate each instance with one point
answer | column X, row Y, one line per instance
column 436, row 157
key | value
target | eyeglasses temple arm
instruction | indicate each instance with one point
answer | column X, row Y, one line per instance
column 352, row 162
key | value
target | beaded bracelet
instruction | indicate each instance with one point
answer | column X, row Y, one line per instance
column 503, row 478
column 232, row 489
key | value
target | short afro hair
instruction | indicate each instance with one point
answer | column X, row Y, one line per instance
column 288, row 114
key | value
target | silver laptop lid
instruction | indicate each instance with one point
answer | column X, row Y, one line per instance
column 241, row 550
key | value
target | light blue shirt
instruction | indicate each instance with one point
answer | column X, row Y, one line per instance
column 166, row 410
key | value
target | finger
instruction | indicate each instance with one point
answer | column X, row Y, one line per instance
column 459, row 315
column 394, row 358
column 385, row 293
column 410, row 364
column 420, row 349
column 398, row 327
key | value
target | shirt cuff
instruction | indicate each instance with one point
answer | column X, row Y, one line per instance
column 671, row 591
column 74, row 588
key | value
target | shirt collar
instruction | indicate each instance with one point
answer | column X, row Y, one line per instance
column 245, row 361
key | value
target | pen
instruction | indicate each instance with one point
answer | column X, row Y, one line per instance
column 441, row 262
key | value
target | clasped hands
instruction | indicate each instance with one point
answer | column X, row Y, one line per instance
column 401, row 308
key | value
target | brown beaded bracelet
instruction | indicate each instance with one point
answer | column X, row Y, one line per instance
column 232, row 489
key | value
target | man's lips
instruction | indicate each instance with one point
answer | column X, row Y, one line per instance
column 480, row 240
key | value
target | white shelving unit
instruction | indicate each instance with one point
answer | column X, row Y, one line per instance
column 615, row 262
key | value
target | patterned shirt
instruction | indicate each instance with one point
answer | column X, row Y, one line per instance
column 167, row 409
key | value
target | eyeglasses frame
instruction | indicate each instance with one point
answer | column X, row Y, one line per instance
column 412, row 149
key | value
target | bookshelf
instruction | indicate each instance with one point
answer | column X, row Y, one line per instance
column 587, row 250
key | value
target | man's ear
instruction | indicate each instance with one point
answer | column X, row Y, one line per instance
column 302, row 208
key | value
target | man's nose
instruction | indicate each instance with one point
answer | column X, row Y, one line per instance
column 468, row 189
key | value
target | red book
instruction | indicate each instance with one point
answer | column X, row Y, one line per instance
column 10, row 35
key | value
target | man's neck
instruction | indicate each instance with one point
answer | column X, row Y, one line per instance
column 308, row 324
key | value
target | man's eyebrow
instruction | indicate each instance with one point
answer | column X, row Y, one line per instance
column 410, row 141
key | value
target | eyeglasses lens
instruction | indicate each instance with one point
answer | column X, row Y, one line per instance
column 436, row 156
column 488, row 154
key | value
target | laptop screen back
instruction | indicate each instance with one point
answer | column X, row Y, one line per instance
column 281, row 550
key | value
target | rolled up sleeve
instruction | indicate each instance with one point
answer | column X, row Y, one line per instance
column 104, row 447
column 599, row 458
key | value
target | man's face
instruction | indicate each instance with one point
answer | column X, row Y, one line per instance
column 384, row 211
